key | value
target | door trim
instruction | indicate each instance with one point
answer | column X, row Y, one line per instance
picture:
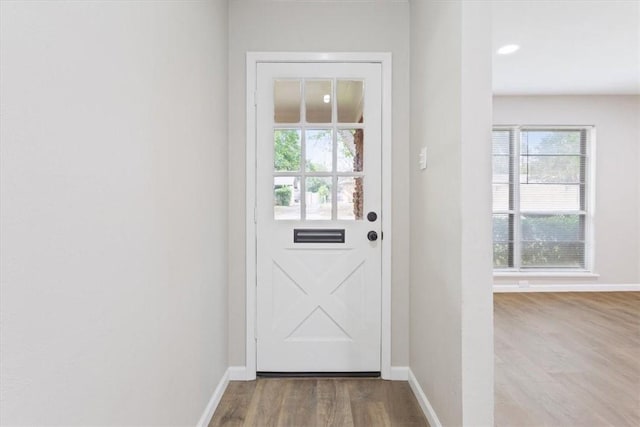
column 252, row 60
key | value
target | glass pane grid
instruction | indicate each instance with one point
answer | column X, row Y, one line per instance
column 318, row 163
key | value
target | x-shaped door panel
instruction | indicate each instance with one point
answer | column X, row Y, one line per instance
column 318, row 296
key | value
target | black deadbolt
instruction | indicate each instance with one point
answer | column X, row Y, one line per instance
column 372, row 216
column 372, row 236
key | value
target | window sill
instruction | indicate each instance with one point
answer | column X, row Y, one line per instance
column 545, row 274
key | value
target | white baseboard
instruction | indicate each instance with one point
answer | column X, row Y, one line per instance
column 239, row 373
column 399, row 373
column 586, row 287
column 214, row 401
column 428, row 410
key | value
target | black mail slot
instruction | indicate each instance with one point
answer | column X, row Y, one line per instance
column 321, row 235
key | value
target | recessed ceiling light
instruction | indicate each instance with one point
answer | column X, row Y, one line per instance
column 327, row 98
column 508, row 49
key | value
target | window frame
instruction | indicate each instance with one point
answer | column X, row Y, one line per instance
column 515, row 207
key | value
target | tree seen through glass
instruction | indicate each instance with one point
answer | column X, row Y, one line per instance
column 319, row 158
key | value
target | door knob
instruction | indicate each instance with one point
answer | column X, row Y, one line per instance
column 372, row 216
column 372, row 236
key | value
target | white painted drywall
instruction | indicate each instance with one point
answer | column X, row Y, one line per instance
column 451, row 351
column 113, row 217
column 617, row 122
column 319, row 26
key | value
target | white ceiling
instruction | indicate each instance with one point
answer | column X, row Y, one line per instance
column 567, row 47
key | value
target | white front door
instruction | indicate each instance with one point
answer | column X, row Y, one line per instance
column 318, row 217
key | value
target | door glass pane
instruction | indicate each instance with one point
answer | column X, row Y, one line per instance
column 319, row 150
column 318, row 197
column 350, row 101
column 318, row 99
column 286, row 197
column 350, row 150
column 286, row 101
column 350, row 198
column 286, row 150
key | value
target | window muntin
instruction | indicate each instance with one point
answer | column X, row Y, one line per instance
column 540, row 198
column 318, row 149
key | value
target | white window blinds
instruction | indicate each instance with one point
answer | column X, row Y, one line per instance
column 540, row 197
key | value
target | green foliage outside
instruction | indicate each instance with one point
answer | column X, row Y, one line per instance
column 323, row 192
column 287, row 158
column 501, row 255
column 551, row 157
column 287, row 150
column 547, row 241
column 551, row 142
column 552, row 254
column 550, row 228
column 319, row 185
column 552, row 241
column 283, row 196
column 314, row 184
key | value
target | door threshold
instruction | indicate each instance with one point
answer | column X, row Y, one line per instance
column 367, row 374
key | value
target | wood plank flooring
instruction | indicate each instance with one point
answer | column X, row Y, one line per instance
column 561, row 359
column 308, row 402
column 567, row 359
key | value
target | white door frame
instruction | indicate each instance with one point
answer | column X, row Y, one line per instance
column 253, row 58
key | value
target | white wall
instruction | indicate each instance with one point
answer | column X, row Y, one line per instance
column 451, row 301
column 381, row 26
column 617, row 211
column 113, row 192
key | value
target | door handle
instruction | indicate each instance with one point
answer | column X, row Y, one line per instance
column 372, row 236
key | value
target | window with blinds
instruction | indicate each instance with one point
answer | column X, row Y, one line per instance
column 540, row 197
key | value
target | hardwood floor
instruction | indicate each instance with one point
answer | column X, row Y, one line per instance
column 308, row 402
column 563, row 359
column 567, row 359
